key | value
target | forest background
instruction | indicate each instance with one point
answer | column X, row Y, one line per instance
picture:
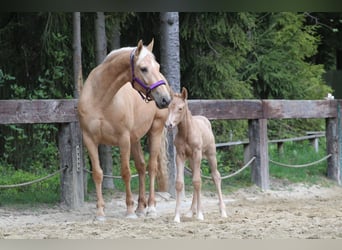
column 240, row 55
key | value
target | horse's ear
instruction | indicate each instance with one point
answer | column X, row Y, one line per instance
column 139, row 47
column 184, row 93
column 150, row 46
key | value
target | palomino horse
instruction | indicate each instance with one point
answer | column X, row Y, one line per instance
column 139, row 118
column 193, row 140
column 96, row 107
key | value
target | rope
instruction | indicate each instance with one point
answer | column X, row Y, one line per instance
column 228, row 176
column 111, row 176
column 34, row 181
column 300, row 166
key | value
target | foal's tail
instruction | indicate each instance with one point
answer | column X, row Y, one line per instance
column 162, row 172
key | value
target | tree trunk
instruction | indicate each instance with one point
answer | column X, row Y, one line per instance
column 77, row 53
column 169, row 53
column 78, row 75
column 105, row 152
column 115, row 37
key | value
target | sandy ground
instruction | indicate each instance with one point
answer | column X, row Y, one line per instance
column 290, row 211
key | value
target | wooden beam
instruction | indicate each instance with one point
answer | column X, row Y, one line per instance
column 64, row 111
column 227, row 109
column 280, row 109
column 38, row 111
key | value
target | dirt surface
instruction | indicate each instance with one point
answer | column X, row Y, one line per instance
column 284, row 212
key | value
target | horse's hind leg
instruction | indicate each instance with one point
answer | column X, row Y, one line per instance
column 139, row 162
column 193, row 207
column 215, row 174
column 97, row 174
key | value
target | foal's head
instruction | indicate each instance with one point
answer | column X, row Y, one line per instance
column 147, row 78
column 177, row 109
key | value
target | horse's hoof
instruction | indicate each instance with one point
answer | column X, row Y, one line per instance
column 140, row 213
column 152, row 212
column 223, row 214
column 101, row 218
column 200, row 216
column 131, row 216
column 176, row 219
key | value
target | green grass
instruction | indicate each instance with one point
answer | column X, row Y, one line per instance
column 47, row 191
column 298, row 153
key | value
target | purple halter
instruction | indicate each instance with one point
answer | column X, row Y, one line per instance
column 148, row 89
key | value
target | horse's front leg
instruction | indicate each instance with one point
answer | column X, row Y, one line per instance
column 180, row 161
column 97, row 174
column 197, row 181
column 126, row 176
column 139, row 162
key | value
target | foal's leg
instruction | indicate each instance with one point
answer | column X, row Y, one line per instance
column 193, row 207
column 197, row 182
column 180, row 161
column 97, row 174
column 139, row 162
column 217, row 180
column 125, row 146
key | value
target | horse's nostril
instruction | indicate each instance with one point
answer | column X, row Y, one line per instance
column 166, row 101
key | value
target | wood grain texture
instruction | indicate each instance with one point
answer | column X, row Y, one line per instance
column 38, row 111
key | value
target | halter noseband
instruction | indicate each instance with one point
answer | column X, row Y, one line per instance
column 148, row 89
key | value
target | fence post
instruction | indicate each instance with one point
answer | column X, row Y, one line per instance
column 71, row 156
column 334, row 146
column 258, row 143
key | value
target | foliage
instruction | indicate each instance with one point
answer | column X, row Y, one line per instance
column 46, row 191
column 215, row 47
column 277, row 66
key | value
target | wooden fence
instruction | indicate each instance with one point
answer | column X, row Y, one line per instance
column 257, row 112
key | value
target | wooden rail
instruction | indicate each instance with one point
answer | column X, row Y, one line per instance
column 257, row 112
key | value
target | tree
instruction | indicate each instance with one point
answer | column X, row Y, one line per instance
column 278, row 64
column 170, row 59
column 105, row 151
column 77, row 57
column 169, row 48
column 214, row 47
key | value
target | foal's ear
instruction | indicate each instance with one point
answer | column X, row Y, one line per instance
column 150, row 46
column 139, row 47
column 184, row 93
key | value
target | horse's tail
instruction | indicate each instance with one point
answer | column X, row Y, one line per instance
column 162, row 172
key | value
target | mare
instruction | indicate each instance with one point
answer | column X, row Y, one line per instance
column 101, row 122
column 194, row 140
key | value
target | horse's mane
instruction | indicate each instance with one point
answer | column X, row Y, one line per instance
column 115, row 52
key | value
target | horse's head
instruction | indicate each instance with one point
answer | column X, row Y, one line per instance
column 147, row 78
column 177, row 109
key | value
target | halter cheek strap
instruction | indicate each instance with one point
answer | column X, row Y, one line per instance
column 148, row 89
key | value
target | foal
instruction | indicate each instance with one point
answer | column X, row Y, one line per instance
column 193, row 140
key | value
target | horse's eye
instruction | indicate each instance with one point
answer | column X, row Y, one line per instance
column 180, row 109
column 143, row 69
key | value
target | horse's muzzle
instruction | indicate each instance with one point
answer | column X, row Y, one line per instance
column 163, row 103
